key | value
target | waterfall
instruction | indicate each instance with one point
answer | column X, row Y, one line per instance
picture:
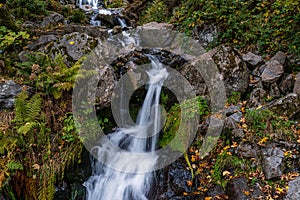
column 107, row 183
column 93, row 3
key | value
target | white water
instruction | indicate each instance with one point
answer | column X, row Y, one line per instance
column 93, row 3
column 109, row 184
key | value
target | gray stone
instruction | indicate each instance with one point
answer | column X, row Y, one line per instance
column 272, row 72
column 287, row 83
column 74, row 46
column 280, row 57
column 239, row 133
column 288, row 105
column 253, row 60
column 93, row 31
column 294, row 190
column 231, row 110
column 206, row 33
column 274, row 90
column 8, row 91
column 247, row 151
column 232, row 121
column 52, row 20
column 233, row 70
column 272, row 162
column 297, row 84
column 236, row 188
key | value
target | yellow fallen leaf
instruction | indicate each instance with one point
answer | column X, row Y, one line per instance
column 185, row 194
column 225, row 173
column 264, row 140
column 72, row 42
column 247, row 193
column 207, row 198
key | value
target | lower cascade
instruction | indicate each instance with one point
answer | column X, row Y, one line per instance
column 128, row 182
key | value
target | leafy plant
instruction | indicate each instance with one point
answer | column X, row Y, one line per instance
column 27, row 9
column 77, row 16
column 10, row 39
column 173, row 127
column 234, row 98
column 156, row 11
column 69, row 131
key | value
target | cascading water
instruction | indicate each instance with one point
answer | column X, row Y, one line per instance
column 107, row 183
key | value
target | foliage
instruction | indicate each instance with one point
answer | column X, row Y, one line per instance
column 50, row 76
column 78, row 16
column 234, row 98
column 268, row 26
column 173, row 125
column 263, row 123
column 27, row 9
column 226, row 161
column 156, row 11
column 114, row 3
column 69, row 131
column 10, row 40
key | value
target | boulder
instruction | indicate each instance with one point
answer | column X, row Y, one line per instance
column 74, row 46
column 246, row 151
column 234, row 71
column 288, row 105
column 294, row 190
column 296, row 89
column 287, row 83
column 272, row 72
column 280, row 57
column 272, row 162
column 252, row 60
column 236, row 189
column 8, row 92
column 52, row 20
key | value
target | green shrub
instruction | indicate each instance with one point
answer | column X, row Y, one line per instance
column 27, row 9
column 267, row 26
column 78, row 16
column 10, row 40
column 156, row 11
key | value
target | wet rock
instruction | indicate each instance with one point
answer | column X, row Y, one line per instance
column 105, row 87
column 272, row 162
column 288, row 105
column 238, row 133
column 246, row 151
column 74, row 46
column 52, row 20
column 252, row 60
column 233, row 69
column 117, row 29
column 294, row 190
column 296, row 89
column 206, row 34
column 232, row 121
column 287, row 83
column 236, row 188
column 280, row 57
column 8, row 92
column 272, row 72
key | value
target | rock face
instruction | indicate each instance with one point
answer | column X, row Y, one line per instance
column 252, row 60
column 52, row 20
column 272, row 162
column 234, row 70
column 74, row 46
column 297, row 84
column 8, row 92
column 272, row 72
column 287, row 106
column 294, row 190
